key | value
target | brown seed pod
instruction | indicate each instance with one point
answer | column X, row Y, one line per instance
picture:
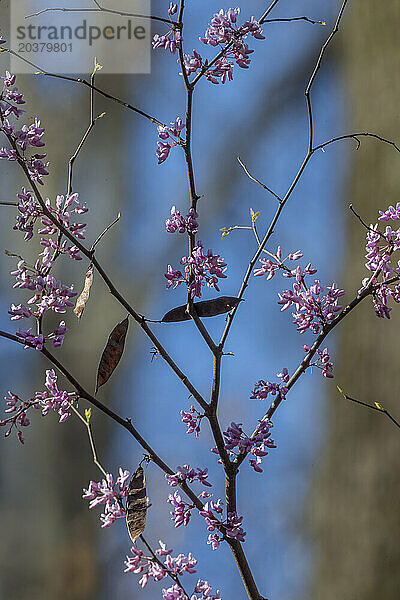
column 136, row 505
column 206, row 308
column 84, row 296
column 112, row 353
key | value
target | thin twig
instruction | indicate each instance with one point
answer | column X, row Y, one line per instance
column 367, row 227
column 376, row 406
column 245, row 169
column 88, row 426
column 284, row 20
column 93, row 246
column 355, row 136
column 191, row 309
column 72, row 159
column 265, row 15
column 98, row 10
column 90, row 126
column 86, row 83
column 314, row 74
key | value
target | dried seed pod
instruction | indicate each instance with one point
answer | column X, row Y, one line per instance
column 112, row 353
column 206, row 308
column 136, row 505
column 84, row 296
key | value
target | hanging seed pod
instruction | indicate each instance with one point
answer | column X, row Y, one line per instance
column 136, row 505
column 112, row 353
column 206, row 308
column 84, row 296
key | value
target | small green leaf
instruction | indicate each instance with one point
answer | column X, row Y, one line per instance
column 254, row 216
column 97, row 67
column 379, row 406
column 226, row 231
column 88, row 414
column 8, row 253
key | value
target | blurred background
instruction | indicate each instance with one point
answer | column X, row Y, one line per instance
column 321, row 519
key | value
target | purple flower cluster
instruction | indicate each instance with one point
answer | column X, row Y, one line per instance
column 173, row 8
column 38, row 341
column 109, row 493
column 54, row 399
column 181, row 512
column 30, row 210
column 156, row 570
column 221, row 32
column 18, row 409
column 49, row 294
column 212, row 521
column 50, row 399
column 8, row 154
column 205, row 589
column 192, row 419
column 9, row 79
column 177, row 223
column 200, row 269
column 185, row 473
column 323, row 362
column 173, row 134
column 263, row 388
column 315, row 305
column 380, row 247
column 37, row 168
column 232, row 527
column 29, row 136
column 8, row 96
column 139, row 563
column 253, row 447
column 173, row 40
column 269, row 267
column 31, row 339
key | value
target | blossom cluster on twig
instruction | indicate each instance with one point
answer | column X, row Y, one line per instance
column 51, row 399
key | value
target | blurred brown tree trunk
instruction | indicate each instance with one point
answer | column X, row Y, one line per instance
column 48, row 538
column 354, row 510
